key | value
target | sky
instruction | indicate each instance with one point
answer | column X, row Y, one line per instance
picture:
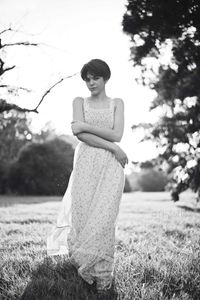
column 70, row 33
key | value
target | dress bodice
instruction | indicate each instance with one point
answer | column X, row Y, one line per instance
column 101, row 117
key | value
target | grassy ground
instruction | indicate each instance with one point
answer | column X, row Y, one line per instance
column 157, row 251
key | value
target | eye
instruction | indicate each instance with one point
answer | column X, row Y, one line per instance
column 87, row 79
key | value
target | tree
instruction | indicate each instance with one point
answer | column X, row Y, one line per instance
column 173, row 26
column 42, row 168
column 4, row 104
column 14, row 123
column 14, row 133
column 11, row 90
column 151, row 179
column 127, row 186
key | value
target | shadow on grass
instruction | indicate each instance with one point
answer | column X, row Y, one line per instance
column 158, row 200
column 57, row 279
column 188, row 208
column 11, row 200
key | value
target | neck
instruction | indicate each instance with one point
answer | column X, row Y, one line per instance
column 99, row 97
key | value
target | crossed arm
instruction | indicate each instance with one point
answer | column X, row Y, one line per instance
column 95, row 136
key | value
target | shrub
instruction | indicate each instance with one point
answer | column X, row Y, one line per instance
column 3, row 177
column 42, row 168
column 127, row 187
column 152, row 180
column 133, row 181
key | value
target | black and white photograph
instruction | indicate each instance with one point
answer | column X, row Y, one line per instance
column 99, row 150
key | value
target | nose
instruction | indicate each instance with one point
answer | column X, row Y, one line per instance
column 91, row 81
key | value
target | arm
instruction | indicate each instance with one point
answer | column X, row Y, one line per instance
column 112, row 135
column 96, row 141
column 90, row 139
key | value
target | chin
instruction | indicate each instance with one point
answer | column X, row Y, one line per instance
column 94, row 93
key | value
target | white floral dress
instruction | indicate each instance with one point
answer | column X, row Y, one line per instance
column 85, row 228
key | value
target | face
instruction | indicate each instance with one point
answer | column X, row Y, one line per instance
column 95, row 83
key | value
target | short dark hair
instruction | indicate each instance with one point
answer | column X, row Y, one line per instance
column 96, row 67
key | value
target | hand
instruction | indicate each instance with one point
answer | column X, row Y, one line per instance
column 77, row 126
column 120, row 156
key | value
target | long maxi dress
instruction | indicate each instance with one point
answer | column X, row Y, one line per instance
column 86, row 222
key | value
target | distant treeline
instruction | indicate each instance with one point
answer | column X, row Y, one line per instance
column 149, row 179
column 41, row 164
column 40, row 168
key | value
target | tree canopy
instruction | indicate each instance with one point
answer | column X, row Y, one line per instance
column 157, row 27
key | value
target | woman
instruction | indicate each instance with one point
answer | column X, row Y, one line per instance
column 86, row 223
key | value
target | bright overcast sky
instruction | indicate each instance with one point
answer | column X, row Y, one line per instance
column 77, row 31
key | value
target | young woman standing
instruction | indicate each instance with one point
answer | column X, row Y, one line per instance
column 85, row 228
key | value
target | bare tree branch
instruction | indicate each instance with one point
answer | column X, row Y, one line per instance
column 5, row 30
column 29, row 34
column 18, row 44
column 4, row 106
column 15, row 87
column 10, row 28
column 48, row 91
column 17, row 31
column 2, row 71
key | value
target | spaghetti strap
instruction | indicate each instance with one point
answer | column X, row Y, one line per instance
column 85, row 104
column 84, row 107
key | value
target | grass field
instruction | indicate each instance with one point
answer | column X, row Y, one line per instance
column 157, row 251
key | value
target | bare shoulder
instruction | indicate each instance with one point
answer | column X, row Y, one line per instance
column 118, row 102
column 78, row 111
column 77, row 101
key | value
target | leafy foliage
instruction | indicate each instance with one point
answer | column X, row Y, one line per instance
column 152, row 180
column 14, row 133
column 42, row 168
column 158, row 26
column 127, row 186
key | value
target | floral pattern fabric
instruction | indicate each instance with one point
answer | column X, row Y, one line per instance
column 86, row 222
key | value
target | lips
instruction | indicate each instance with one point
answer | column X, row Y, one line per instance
column 92, row 89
